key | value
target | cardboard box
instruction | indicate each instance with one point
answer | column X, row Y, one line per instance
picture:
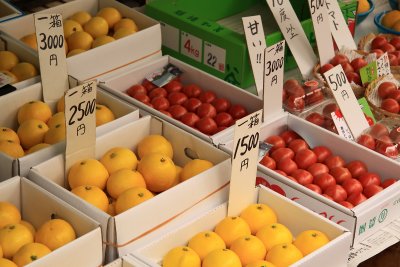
column 7, row 11
column 10, row 104
column 125, row 78
column 122, row 231
column 37, row 206
column 291, row 214
column 364, row 219
column 142, row 45
column 126, row 261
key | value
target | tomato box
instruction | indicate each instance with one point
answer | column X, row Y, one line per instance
column 37, row 206
column 362, row 220
column 123, row 230
column 10, row 104
column 8, row 11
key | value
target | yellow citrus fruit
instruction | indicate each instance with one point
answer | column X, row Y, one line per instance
column 61, row 105
column 102, row 40
column 177, row 176
column 181, row 257
column 58, row 118
column 55, row 233
column 111, row 207
column 261, row 263
column 194, row 167
column 28, row 225
column 29, row 253
column 88, row 172
column 75, row 52
column 126, row 23
column 155, row 143
column 9, row 214
column 205, row 242
column 70, row 26
column 390, row 18
column 24, row 71
column 96, row 26
column 221, row 257
column 249, row 249
column 131, row 197
column 37, row 147
column 257, row 216
column 396, row 26
column 110, row 14
column 7, row 263
column 8, row 60
column 12, row 149
column 8, row 134
column 81, row 17
column 31, row 132
column 103, row 114
column 230, row 228
column 122, row 180
column 1, row 252
column 34, row 110
column 14, row 78
column 363, row 6
column 12, row 237
column 274, row 234
column 55, row 134
column 283, row 255
column 158, row 171
column 93, row 195
column 30, row 40
column 80, row 40
column 310, row 240
column 118, row 158
column 123, row 32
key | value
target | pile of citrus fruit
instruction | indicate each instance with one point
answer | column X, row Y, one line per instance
column 253, row 239
column 18, row 71
column 21, row 243
column 118, row 181
column 392, row 20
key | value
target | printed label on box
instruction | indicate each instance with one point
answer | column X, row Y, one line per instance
column 191, row 46
column 214, row 56
column 170, row 36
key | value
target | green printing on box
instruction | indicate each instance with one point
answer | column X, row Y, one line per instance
column 208, row 34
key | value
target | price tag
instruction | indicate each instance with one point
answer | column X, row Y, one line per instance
column 244, row 163
column 383, row 65
column 346, row 100
column 341, row 126
column 191, row 46
column 274, row 58
column 80, row 119
column 369, row 72
column 340, row 31
column 255, row 39
column 294, row 35
column 322, row 30
column 53, row 65
column 170, row 36
column 214, row 56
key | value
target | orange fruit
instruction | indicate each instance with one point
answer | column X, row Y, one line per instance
column 55, row 134
column 310, row 240
column 37, row 147
column 110, row 14
column 34, row 110
column 257, row 216
column 177, row 176
column 1, row 252
column 13, row 237
column 12, row 149
column 80, row 40
column 29, row 253
column 58, row 118
column 28, row 225
column 283, row 255
column 7, row 263
column 96, row 26
column 81, row 17
column 249, row 249
column 390, row 18
column 70, row 26
column 102, row 40
column 30, row 40
column 9, row 214
column 31, row 132
column 88, row 172
column 274, row 234
column 205, row 242
column 158, row 171
column 24, row 71
column 194, row 167
column 8, row 60
column 75, row 52
column 155, row 143
column 123, row 32
column 131, row 197
column 230, row 228
column 363, row 6
column 396, row 26
column 122, row 180
column 8, row 134
column 261, row 263
column 118, row 158
column 221, row 257
column 55, row 233
column 126, row 23
column 61, row 105
column 111, row 207
column 181, row 257
column 103, row 115
column 93, row 195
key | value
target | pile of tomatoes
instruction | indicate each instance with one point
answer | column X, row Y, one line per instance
column 381, row 44
column 297, row 96
column 390, row 95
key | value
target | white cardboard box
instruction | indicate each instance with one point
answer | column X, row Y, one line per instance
column 10, row 104
column 125, row 78
column 38, row 205
column 7, row 11
column 293, row 215
column 86, row 66
column 364, row 219
column 126, row 261
column 122, row 231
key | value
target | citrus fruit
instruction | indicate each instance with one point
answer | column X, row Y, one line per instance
column 12, row 237
column 258, row 215
column 158, row 171
column 88, row 172
column 310, row 240
column 205, row 242
column 75, row 52
column 58, row 118
column 230, row 228
column 28, row 225
column 155, row 143
column 12, row 149
column 102, row 40
column 283, row 255
column 61, row 104
column 122, row 180
column 9, row 214
column 111, row 207
column 96, row 26
column 131, row 197
column 55, row 134
column 194, row 167
column 390, row 18
column 396, row 26
column 274, row 234
column 261, row 263
column 363, row 6
column 24, row 71
column 221, row 257
column 30, row 40
column 103, row 114
column 8, row 134
column 34, row 110
column 118, row 158
column 55, row 233
column 110, row 14
column 123, row 32
column 31, row 132
column 8, row 60
column 1, row 252
column 125, row 23
column 70, row 26
column 29, row 253
column 249, row 249
column 80, row 40
column 181, row 257
column 177, row 176
column 37, row 147
column 7, row 263
column 81, row 17
column 93, row 195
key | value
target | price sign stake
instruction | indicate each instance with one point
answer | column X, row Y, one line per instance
column 53, row 66
column 244, row 163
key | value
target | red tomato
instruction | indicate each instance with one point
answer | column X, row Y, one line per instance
column 262, row 181
column 177, row 98
column 378, row 52
column 347, row 68
column 324, row 181
column 394, row 135
column 190, row 119
column 317, row 168
column 192, row 104
column 191, row 90
column 302, row 176
column 387, row 47
column 268, row 162
column 160, row 103
column 314, row 188
column 305, row 158
column 390, row 105
column 177, row 111
column 166, row 113
column 393, row 60
column 325, row 68
column 372, row 190
column 356, row 198
column 221, row 104
column 148, row 85
column 378, row 130
column 297, row 144
column 367, row 141
column 395, row 41
column 224, row 119
column 295, row 91
column 339, row 59
column 329, row 108
column 336, row 192
column 206, row 110
column 289, row 136
column 282, row 153
column 369, row 178
column 394, row 95
column 388, row 182
column 276, row 141
column 340, row 174
column 206, row 125
column 334, row 161
column 287, row 165
column 137, row 88
column 322, row 153
column 281, row 173
column 356, row 168
column 159, row 91
column 385, row 88
column 207, row 96
column 295, row 103
column 290, row 83
column 237, row 111
column 353, row 77
column 378, row 42
column 358, row 63
column 314, row 96
column 385, row 147
column 142, row 97
column 352, row 186
column 328, row 197
column 330, row 125
column 346, row 204
column 315, row 118
column 173, row 86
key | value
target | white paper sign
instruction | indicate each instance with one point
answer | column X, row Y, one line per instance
column 341, row 126
column 244, row 163
column 214, row 56
column 191, row 46
column 346, row 100
column 255, row 39
column 53, row 65
column 383, row 65
column 294, row 35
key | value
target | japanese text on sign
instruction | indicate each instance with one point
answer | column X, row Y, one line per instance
column 383, row 65
column 369, row 73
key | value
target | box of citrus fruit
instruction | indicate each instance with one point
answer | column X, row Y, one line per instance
column 144, row 174
column 106, row 34
column 7, row 11
column 32, row 131
column 39, row 229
